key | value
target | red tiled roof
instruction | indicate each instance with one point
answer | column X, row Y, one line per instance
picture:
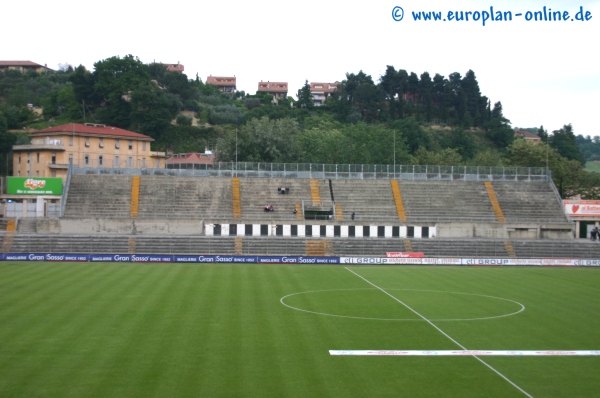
column 273, row 87
column 221, row 80
column 191, row 158
column 91, row 129
column 174, row 67
column 19, row 63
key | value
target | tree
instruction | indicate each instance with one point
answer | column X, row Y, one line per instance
column 261, row 140
column 497, row 129
column 151, row 109
column 304, row 97
column 563, row 140
column 414, row 135
column 115, row 79
column 7, row 140
column 446, row 157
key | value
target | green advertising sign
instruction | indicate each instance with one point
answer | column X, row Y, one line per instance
column 34, row 186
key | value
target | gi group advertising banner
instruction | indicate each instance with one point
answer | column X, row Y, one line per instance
column 34, row 186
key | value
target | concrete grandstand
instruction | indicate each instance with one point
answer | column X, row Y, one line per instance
column 435, row 210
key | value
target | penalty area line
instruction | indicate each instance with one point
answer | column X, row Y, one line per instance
column 443, row 333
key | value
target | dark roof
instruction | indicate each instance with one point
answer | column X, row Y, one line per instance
column 93, row 129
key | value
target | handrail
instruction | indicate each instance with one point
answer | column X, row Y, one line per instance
column 65, row 194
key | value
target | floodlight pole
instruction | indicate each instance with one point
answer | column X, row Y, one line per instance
column 236, row 158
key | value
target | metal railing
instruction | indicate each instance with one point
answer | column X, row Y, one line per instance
column 65, row 194
column 338, row 171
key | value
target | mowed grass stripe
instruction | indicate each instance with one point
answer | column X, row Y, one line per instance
column 79, row 330
column 114, row 328
column 46, row 321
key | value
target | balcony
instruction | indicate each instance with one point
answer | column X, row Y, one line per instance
column 40, row 144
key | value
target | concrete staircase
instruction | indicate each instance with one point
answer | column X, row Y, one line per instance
column 27, row 226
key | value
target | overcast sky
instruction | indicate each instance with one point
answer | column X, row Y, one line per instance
column 544, row 73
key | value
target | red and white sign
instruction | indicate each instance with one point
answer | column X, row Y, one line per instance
column 582, row 208
column 404, row 255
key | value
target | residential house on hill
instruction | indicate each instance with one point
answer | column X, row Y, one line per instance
column 174, row 67
column 530, row 137
column 23, row 66
column 321, row 91
column 225, row 84
column 277, row 89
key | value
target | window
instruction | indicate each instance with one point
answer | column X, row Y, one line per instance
column 19, row 158
column 143, row 145
column 54, row 158
column 116, row 161
column 86, row 159
column 37, row 157
column 100, row 160
column 87, row 141
column 101, row 142
column 130, row 144
column 144, row 162
column 71, row 140
column 29, row 157
column 117, row 144
column 130, row 162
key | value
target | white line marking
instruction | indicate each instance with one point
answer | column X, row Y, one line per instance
column 444, row 333
column 282, row 301
column 510, row 353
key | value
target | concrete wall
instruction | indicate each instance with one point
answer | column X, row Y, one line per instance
column 506, row 231
column 130, row 226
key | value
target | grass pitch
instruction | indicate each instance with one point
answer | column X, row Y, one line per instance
column 221, row 330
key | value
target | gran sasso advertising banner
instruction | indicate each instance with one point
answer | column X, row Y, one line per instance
column 34, row 186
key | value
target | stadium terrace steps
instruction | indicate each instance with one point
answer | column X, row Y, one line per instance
column 188, row 198
column 199, row 244
column 101, row 196
column 202, row 198
column 27, row 225
column 450, row 201
column 532, row 200
column 255, row 193
column 370, row 200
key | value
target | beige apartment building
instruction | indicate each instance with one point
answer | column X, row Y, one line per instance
column 86, row 145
